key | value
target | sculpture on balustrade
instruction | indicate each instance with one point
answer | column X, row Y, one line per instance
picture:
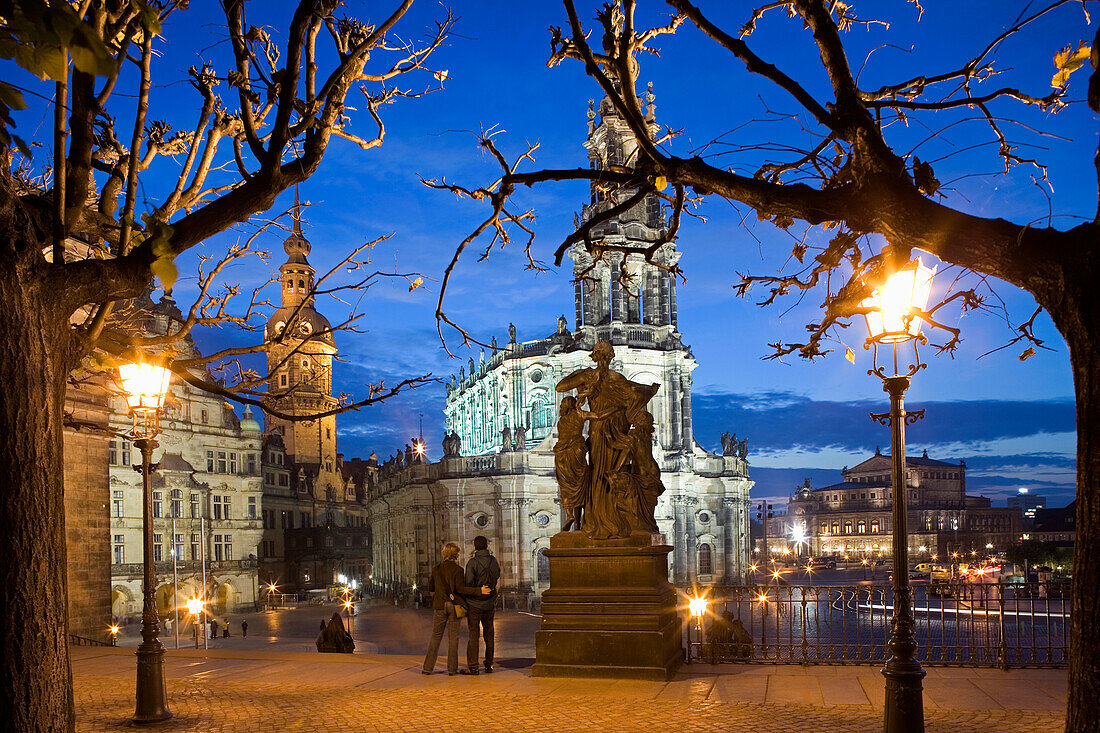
column 452, row 445
column 521, row 438
column 610, row 482
column 731, row 446
column 505, row 439
column 409, row 455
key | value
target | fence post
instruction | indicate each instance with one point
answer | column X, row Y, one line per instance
column 1002, row 654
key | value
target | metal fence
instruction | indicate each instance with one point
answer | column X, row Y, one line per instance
column 963, row 624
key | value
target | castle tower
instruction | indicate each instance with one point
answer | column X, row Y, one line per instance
column 646, row 295
column 300, row 350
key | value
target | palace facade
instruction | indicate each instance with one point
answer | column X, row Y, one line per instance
column 206, row 496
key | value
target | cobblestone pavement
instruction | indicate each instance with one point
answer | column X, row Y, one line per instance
column 263, row 691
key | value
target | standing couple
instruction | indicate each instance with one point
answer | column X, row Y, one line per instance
column 456, row 594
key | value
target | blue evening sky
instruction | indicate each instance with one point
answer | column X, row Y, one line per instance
column 1012, row 421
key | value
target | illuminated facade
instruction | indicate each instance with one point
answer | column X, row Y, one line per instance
column 854, row 517
column 498, row 479
column 206, row 497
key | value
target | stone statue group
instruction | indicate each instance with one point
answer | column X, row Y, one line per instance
column 609, row 481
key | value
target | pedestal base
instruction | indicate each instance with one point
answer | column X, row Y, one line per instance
column 610, row 610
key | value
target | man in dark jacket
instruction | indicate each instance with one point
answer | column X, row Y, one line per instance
column 482, row 570
column 447, row 588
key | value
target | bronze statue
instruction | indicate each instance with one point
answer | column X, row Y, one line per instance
column 621, row 482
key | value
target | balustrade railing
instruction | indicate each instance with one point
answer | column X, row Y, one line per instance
column 964, row 624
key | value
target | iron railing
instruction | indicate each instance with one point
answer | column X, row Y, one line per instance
column 964, row 624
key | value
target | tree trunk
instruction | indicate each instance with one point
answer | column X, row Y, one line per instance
column 34, row 363
column 1080, row 324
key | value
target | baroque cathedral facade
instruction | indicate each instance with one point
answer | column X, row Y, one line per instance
column 497, row 474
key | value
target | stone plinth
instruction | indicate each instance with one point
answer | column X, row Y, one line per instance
column 610, row 610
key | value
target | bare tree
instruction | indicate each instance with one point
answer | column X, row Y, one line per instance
column 74, row 240
column 854, row 180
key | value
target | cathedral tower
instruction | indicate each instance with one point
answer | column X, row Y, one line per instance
column 300, row 350
column 623, row 289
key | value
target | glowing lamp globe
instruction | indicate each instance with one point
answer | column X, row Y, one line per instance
column 145, row 386
column 697, row 606
column 895, row 304
column 194, row 606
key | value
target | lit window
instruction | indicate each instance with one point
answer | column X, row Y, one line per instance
column 874, row 527
column 861, row 527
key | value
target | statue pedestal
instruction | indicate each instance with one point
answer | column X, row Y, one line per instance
column 610, row 610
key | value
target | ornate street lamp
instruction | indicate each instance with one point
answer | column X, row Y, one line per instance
column 145, row 386
column 893, row 320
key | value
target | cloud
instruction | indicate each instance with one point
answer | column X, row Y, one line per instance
column 783, row 421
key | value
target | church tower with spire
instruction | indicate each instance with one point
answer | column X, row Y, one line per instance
column 300, row 351
column 623, row 291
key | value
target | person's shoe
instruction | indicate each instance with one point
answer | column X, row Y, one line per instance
column 488, row 669
column 424, row 671
column 468, row 671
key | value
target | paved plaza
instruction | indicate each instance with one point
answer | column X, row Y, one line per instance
column 242, row 689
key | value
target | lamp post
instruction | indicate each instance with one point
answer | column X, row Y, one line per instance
column 195, row 608
column 145, row 386
column 893, row 319
column 697, row 607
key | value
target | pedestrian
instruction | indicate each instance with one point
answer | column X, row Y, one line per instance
column 225, row 632
column 213, row 628
column 482, row 570
column 244, row 628
column 447, row 587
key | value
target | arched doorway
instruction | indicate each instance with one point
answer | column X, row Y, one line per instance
column 225, row 598
column 166, row 599
column 121, row 601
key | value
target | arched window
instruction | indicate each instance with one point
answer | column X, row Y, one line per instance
column 706, row 563
column 302, row 285
column 847, row 528
column 874, row 527
column 861, row 526
column 543, row 567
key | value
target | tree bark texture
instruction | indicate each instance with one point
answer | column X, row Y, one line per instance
column 1081, row 326
column 34, row 363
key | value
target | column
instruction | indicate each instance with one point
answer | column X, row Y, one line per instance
column 692, row 560
column 617, row 297
column 672, row 300
column 730, row 576
column 524, row 581
column 678, row 563
column 674, row 410
column 578, row 298
column 685, row 411
column 661, row 317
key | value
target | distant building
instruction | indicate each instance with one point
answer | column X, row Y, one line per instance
column 1055, row 525
column 206, row 497
column 1027, row 503
column 855, row 516
column 315, row 533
